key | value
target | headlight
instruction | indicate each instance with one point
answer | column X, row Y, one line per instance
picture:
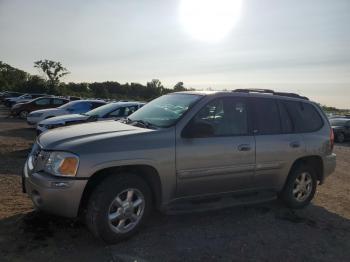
column 35, row 114
column 62, row 164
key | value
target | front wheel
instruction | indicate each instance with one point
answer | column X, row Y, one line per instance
column 118, row 207
column 300, row 187
column 23, row 114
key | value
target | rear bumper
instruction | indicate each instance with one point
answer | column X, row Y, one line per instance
column 329, row 165
column 60, row 196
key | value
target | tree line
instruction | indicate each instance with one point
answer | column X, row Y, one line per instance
column 14, row 79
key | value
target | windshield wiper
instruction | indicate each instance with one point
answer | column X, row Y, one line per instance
column 139, row 122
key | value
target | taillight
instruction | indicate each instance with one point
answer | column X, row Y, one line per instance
column 332, row 139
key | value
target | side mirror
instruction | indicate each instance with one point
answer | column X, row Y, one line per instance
column 198, row 130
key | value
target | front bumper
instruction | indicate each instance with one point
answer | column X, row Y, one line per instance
column 33, row 120
column 56, row 195
column 40, row 129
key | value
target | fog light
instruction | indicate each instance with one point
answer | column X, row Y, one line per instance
column 60, row 184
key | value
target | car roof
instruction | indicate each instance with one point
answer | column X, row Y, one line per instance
column 276, row 95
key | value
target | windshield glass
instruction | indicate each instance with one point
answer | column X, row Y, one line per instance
column 165, row 110
column 337, row 122
column 102, row 110
column 69, row 105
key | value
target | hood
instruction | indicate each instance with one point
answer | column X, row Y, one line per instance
column 63, row 119
column 65, row 138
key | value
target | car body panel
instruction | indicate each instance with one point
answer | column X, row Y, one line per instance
column 187, row 167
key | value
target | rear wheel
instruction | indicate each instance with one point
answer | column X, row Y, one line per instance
column 340, row 137
column 300, row 187
column 23, row 114
column 118, row 207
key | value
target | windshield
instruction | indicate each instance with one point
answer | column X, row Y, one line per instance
column 69, row 105
column 165, row 110
column 337, row 122
column 103, row 110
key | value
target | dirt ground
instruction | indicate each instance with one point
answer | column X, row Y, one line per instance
column 266, row 232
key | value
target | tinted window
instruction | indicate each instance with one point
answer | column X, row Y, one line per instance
column 304, row 116
column 286, row 120
column 227, row 116
column 80, row 107
column 266, row 116
column 96, row 104
column 42, row 102
column 58, row 101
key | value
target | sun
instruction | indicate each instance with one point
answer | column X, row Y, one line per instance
column 209, row 20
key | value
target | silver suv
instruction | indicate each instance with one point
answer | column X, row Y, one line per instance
column 182, row 152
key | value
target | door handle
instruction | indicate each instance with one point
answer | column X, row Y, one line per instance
column 244, row 147
column 294, row 144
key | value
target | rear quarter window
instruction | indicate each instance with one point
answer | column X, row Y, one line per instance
column 304, row 116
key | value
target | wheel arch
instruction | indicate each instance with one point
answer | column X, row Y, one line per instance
column 315, row 161
column 146, row 172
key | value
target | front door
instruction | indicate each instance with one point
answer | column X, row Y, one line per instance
column 221, row 161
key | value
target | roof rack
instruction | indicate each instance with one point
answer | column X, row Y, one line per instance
column 269, row 91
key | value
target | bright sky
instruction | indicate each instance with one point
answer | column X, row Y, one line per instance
column 286, row 45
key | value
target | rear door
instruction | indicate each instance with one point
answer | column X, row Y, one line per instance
column 42, row 103
column 56, row 102
column 277, row 145
column 223, row 161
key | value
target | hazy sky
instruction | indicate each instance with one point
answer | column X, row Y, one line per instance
column 288, row 45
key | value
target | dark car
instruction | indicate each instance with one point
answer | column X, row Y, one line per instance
column 341, row 129
column 9, row 102
column 23, row 109
column 8, row 94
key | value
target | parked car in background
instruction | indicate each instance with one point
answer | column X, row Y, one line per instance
column 341, row 128
column 182, row 152
column 117, row 110
column 9, row 102
column 8, row 94
column 74, row 107
column 73, row 98
column 23, row 109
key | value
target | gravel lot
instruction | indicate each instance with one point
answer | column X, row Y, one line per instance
column 267, row 232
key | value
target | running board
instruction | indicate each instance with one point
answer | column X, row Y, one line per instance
column 202, row 204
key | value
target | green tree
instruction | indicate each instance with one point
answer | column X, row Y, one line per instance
column 12, row 78
column 179, row 87
column 53, row 71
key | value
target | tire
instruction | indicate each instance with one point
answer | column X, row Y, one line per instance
column 292, row 193
column 340, row 137
column 23, row 114
column 103, row 205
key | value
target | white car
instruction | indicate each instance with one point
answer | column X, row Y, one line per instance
column 116, row 110
column 74, row 107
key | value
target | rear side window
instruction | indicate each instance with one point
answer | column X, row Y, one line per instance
column 304, row 116
column 58, row 101
column 96, row 105
column 42, row 102
column 266, row 116
column 286, row 120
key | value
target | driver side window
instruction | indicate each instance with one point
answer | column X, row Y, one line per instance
column 225, row 117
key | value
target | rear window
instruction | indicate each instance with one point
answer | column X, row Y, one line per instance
column 304, row 116
column 266, row 116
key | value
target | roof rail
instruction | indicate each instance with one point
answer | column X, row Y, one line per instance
column 269, row 91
